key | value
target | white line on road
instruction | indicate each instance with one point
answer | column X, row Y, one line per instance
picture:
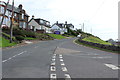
column 60, row 55
column 112, row 66
column 53, row 64
column 67, row 76
column 61, row 59
column 13, row 56
column 53, row 68
column 54, row 54
column 62, row 63
column 53, row 76
column 64, row 69
column 53, row 59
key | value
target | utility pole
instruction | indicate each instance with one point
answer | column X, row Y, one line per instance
column 12, row 20
column 4, row 13
column 83, row 27
column 91, row 30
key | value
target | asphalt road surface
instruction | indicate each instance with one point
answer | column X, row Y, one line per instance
column 58, row 59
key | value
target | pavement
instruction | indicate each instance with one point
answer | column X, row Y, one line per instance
column 58, row 59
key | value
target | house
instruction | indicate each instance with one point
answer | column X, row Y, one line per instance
column 20, row 16
column 61, row 28
column 39, row 25
column 58, row 28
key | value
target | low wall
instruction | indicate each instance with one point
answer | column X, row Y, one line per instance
column 102, row 46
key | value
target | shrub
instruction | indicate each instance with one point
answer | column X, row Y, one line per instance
column 7, row 36
column 19, row 38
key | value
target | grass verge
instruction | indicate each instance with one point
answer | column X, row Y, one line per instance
column 29, row 38
column 76, row 41
column 6, row 43
column 56, row 36
column 96, row 40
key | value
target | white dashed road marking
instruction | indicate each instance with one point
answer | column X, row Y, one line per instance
column 53, row 59
column 112, row 66
column 64, row 69
column 67, row 76
column 53, row 68
column 61, row 59
column 53, row 76
column 62, row 64
column 60, row 55
column 53, row 64
column 13, row 56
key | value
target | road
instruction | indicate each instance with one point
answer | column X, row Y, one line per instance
column 58, row 59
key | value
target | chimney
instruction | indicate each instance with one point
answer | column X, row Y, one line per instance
column 20, row 6
column 33, row 16
column 65, row 22
column 56, row 22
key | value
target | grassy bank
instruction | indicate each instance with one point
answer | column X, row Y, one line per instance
column 76, row 41
column 6, row 43
column 56, row 36
column 96, row 40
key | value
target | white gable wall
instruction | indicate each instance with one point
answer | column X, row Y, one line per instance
column 56, row 27
column 35, row 24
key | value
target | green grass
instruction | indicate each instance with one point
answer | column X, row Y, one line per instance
column 96, row 40
column 29, row 38
column 76, row 41
column 6, row 43
column 8, row 35
column 56, row 36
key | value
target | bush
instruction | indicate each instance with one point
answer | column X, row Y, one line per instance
column 18, row 32
column 8, row 36
column 19, row 38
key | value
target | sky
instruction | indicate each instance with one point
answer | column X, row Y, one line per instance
column 100, row 17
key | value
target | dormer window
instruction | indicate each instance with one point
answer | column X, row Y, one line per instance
column 41, row 21
column 15, row 14
column 47, row 23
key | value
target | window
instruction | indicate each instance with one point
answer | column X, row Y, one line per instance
column 24, row 25
column 2, row 9
column 7, row 13
column 21, row 24
column 14, row 14
column 47, row 23
column 41, row 21
column 0, row 18
column 22, row 16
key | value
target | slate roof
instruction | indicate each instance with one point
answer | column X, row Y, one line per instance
column 38, row 21
column 17, row 10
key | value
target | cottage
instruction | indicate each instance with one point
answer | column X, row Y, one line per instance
column 61, row 28
column 39, row 25
column 20, row 15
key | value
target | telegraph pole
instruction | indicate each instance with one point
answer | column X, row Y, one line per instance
column 83, row 27
column 11, row 25
column 4, row 13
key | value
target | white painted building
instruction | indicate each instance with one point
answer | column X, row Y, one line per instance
column 39, row 24
column 58, row 27
column 61, row 27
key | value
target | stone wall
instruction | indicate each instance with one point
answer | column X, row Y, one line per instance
column 102, row 46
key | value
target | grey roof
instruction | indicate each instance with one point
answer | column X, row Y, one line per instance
column 9, row 7
column 61, row 25
column 38, row 21
column 17, row 10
